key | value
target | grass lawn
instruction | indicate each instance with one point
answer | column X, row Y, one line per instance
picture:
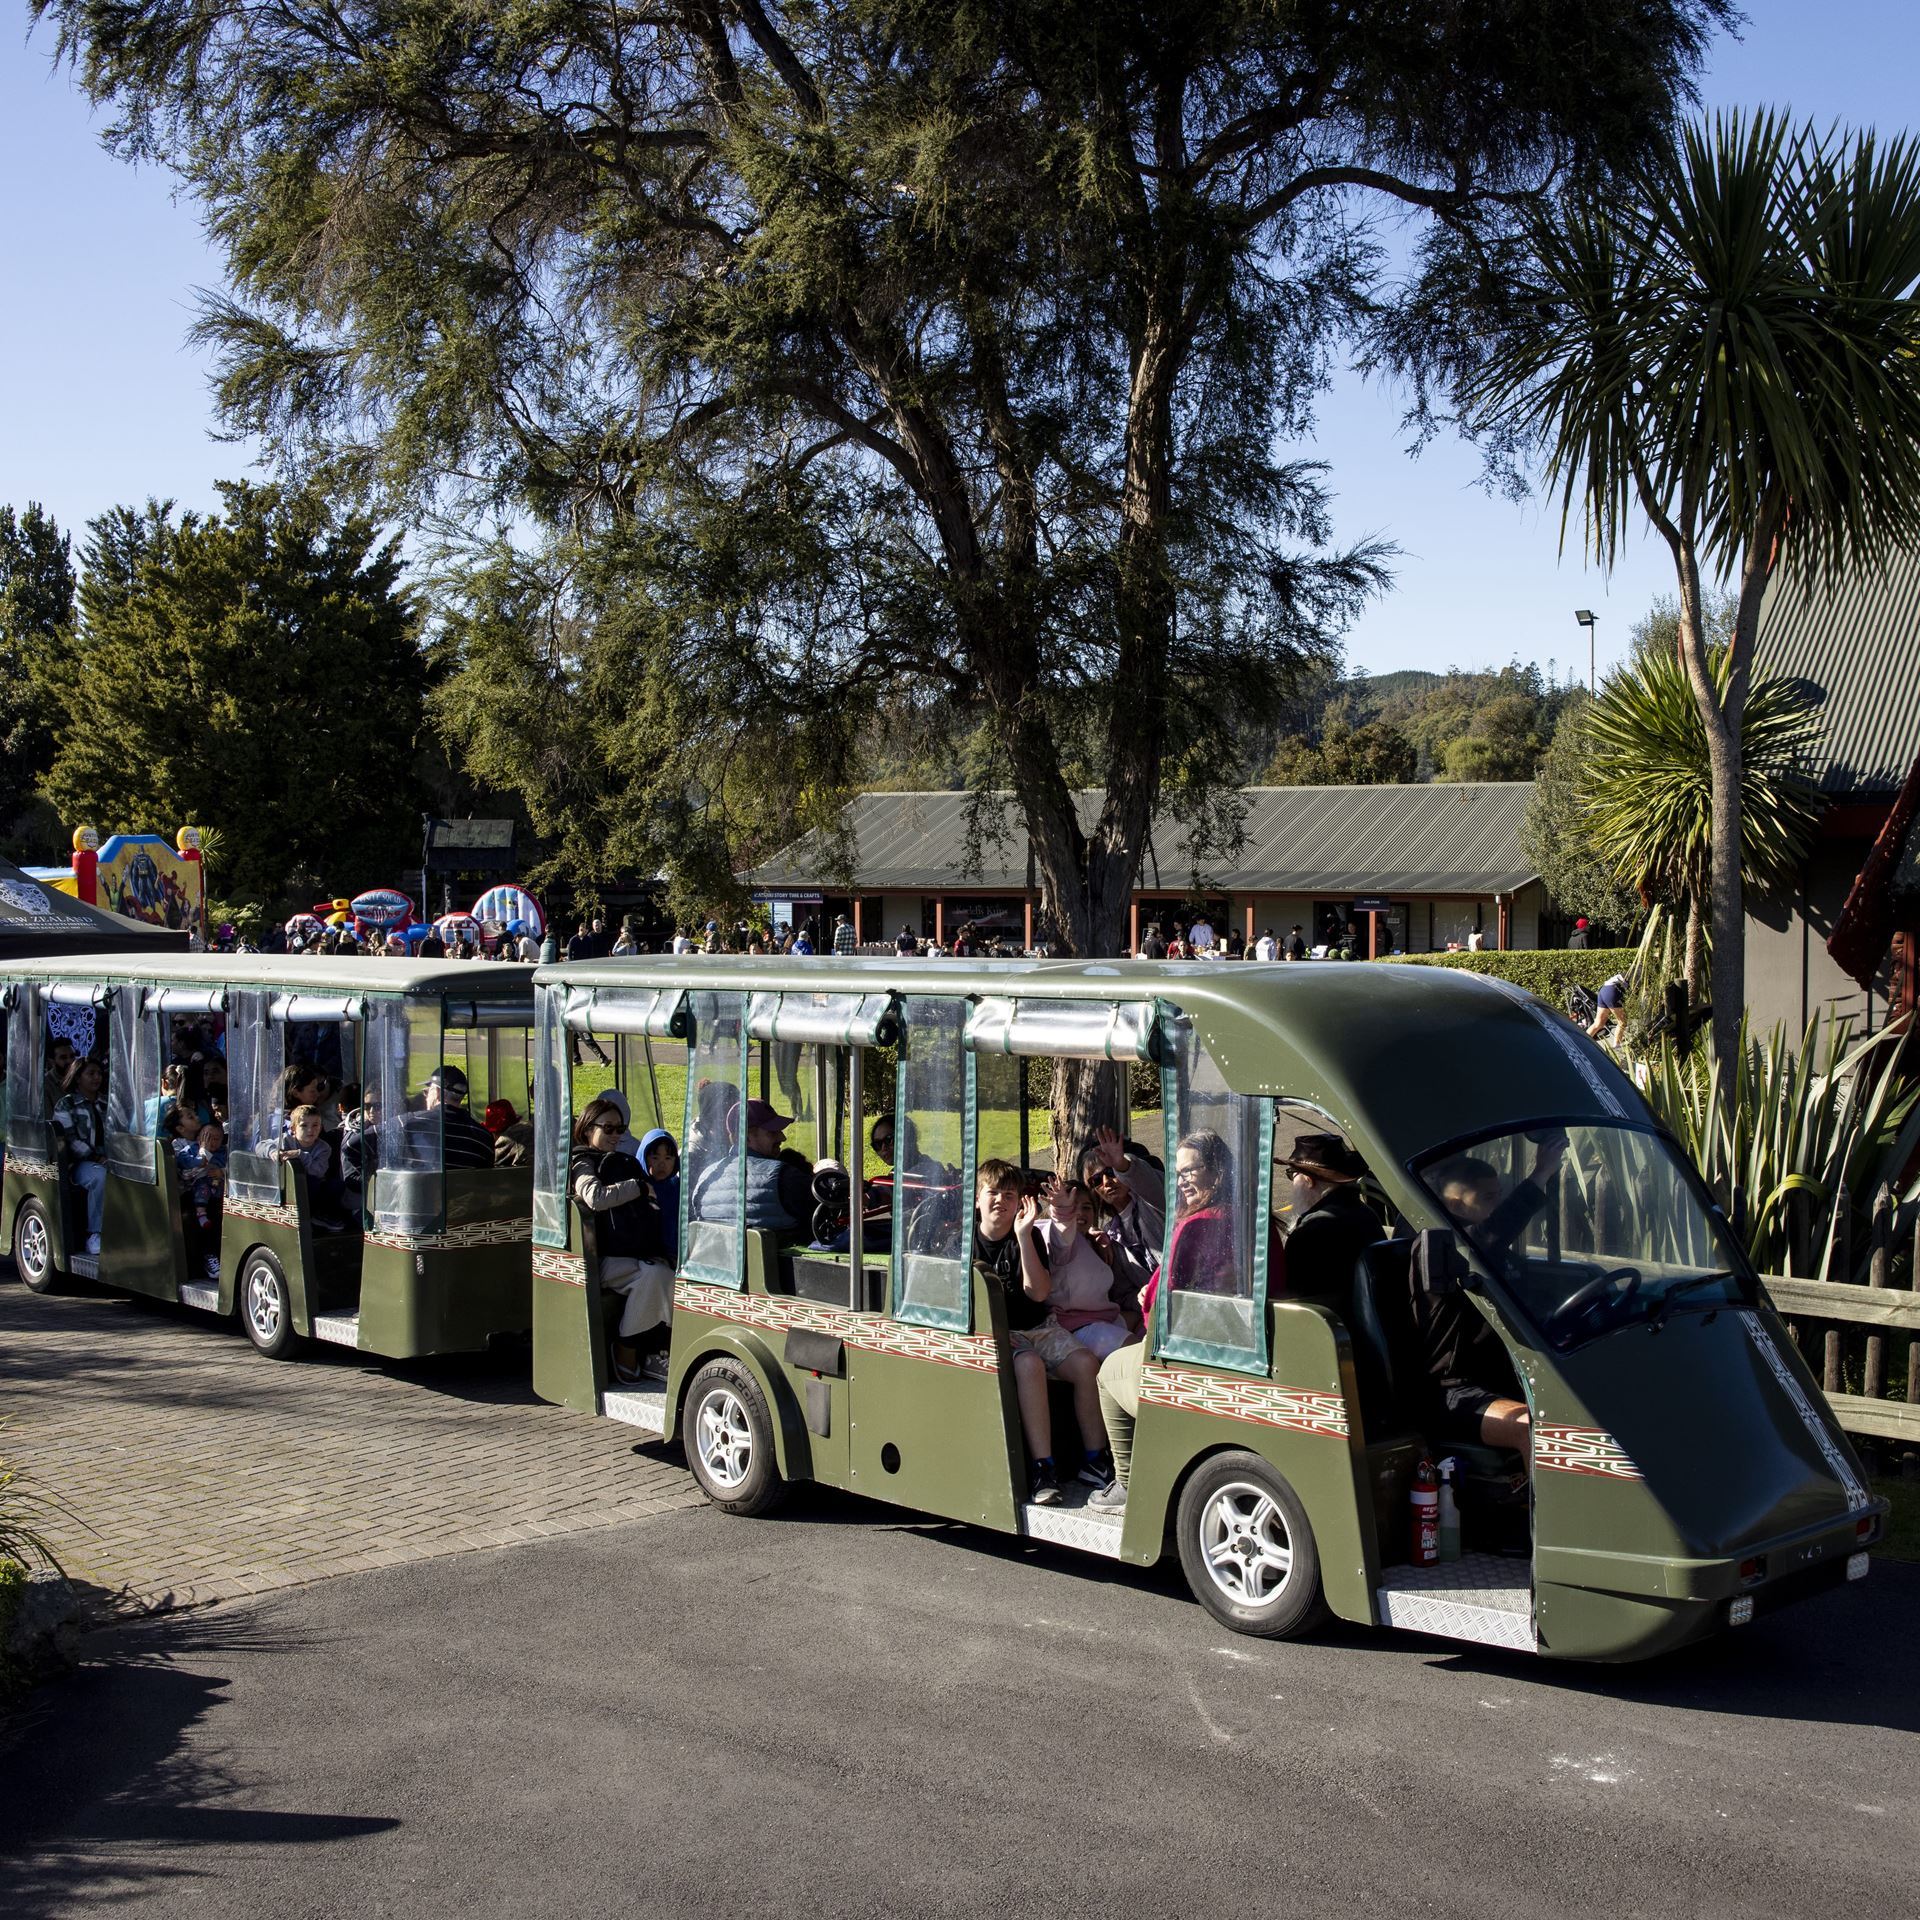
column 1903, row 1523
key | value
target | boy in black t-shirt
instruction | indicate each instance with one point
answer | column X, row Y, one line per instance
column 1006, row 1245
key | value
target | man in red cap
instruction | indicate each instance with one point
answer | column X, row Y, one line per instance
column 1578, row 937
column 779, row 1180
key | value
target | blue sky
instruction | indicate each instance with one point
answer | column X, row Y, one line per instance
column 102, row 401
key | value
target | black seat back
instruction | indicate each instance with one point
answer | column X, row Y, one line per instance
column 1381, row 1323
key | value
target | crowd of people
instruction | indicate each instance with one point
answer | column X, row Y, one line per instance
column 328, row 1126
column 1080, row 1255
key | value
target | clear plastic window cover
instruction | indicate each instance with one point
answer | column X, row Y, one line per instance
column 712, row 1247
column 256, row 1051
column 27, row 1126
column 1216, row 1328
column 1080, row 1029
column 133, row 1085
column 650, row 1010
column 329, row 1007
column 933, row 1275
column 819, row 1019
column 555, row 1129
column 186, row 1000
column 396, row 1067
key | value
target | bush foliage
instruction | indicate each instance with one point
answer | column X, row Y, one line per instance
column 1549, row 972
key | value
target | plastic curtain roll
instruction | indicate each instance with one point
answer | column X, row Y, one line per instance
column 660, row 1012
column 186, row 1000
column 821, row 1019
column 1078, row 1029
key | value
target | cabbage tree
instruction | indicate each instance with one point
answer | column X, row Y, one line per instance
column 1726, row 343
column 1645, row 785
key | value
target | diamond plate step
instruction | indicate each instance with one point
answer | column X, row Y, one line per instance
column 1479, row 1597
column 337, row 1329
column 1074, row 1524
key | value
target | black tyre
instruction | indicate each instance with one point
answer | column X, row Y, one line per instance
column 1248, row 1550
column 728, row 1435
column 266, row 1305
column 33, row 1249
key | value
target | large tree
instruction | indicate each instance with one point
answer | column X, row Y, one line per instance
column 36, row 622
column 257, row 670
column 1727, row 342
column 864, row 348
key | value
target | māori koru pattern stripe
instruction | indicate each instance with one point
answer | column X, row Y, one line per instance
column 261, row 1213
column 32, row 1169
column 778, row 1312
column 476, row 1233
column 1582, row 1450
column 551, row 1265
column 1300, row 1408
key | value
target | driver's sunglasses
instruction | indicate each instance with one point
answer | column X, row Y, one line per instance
column 1108, row 1176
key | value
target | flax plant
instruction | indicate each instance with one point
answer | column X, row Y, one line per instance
column 1793, row 1140
column 21, row 1513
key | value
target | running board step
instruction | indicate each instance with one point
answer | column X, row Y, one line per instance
column 84, row 1266
column 642, row 1407
column 1074, row 1524
column 202, row 1294
column 1479, row 1597
column 644, row 1403
column 337, row 1329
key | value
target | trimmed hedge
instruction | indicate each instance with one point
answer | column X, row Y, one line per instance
column 1547, row 971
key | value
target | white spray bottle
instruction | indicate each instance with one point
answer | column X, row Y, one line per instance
column 1449, row 1528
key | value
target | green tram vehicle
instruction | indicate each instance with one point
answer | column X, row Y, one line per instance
column 418, row 1258
column 1683, row 1469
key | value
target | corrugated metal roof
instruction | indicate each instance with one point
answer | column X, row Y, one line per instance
column 1860, row 647
column 1435, row 838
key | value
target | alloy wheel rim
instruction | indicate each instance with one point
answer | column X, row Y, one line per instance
column 1245, row 1545
column 263, row 1303
column 725, row 1437
column 35, row 1252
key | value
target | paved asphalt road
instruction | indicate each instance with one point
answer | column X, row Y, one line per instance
column 845, row 1711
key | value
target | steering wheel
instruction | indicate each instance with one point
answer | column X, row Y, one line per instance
column 1584, row 1298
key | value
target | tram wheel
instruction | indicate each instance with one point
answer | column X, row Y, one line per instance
column 33, row 1249
column 1247, row 1548
column 266, row 1306
column 728, row 1435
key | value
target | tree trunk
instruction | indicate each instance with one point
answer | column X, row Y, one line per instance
column 1695, row 952
column 1087, row 1095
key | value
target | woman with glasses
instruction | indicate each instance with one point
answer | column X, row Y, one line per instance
column 1202, row 1257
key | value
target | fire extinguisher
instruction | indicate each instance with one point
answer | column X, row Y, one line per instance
column 1424, row 1544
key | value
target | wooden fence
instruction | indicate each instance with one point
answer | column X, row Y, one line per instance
column 1829, row 1316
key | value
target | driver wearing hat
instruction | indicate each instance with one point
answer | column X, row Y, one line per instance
column 1331, row 1219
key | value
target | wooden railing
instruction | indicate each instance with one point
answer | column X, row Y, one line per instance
column 1885, row 1313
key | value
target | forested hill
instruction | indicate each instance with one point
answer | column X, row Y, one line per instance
column 1339, row 730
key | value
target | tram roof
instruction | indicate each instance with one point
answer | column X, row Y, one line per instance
column 1402, row 1057
column 447, row 979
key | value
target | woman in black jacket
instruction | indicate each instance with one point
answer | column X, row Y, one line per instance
column 614, row 1193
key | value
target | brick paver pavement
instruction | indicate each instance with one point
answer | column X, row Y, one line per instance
column 192, row 1470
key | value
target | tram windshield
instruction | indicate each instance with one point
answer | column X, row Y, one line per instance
column 1590, row 1227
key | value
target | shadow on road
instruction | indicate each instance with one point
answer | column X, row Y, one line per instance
column 1848, row 1658
column 107, row 1790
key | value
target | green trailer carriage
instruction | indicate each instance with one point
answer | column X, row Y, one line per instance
column 1684, row 1468
column 437, row 1260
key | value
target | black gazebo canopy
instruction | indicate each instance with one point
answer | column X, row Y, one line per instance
column 36, row 919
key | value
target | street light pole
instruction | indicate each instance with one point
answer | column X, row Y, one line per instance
column 1587, row 619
